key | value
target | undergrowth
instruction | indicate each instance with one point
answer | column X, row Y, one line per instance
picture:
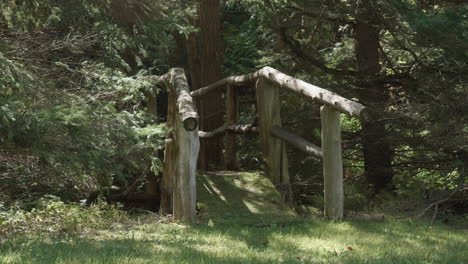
column 52, row 216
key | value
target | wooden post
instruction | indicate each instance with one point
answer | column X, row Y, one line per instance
column 187, row 146
column 181, row 153
column 232, row 117
column 151, row 187
column 332, row 162
column 169, row 170
column 273, row 149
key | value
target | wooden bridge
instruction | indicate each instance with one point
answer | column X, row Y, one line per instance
column 181, row 153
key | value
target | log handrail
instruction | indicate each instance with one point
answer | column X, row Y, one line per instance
column 185, row 106
column 235, row 129
column 312, row 92
column 297, row 141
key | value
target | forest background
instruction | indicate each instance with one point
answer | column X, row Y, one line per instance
column 80, row 110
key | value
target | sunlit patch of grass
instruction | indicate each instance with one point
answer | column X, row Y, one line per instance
column 228, row 233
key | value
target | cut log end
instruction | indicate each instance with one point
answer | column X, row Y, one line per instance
column 190, row 124
column 366, row 115
column 190, row 120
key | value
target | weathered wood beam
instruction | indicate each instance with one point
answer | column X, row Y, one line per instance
column 221, row 84
column 312, row 92
column 211, row 134
column 180, row 161
column 243, row 129
column 273, row 149
column 235, row 129
column 170, row 168
column 297, row 141
column 332, row 162
column 316, row 93
column 185, row 106
column 187, row 147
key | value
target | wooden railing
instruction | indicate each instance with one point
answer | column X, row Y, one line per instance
column 178, row 194
column 273, row 137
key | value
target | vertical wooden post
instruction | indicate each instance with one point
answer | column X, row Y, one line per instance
column 332, row 162
column 169, row 170
column 273, row 149
column 232, row 117
column 151, row 187
column 180, row 160
column 187, row 146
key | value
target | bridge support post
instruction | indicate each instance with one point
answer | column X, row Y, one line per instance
column 332, row 162
column 180, row 160
column 273, row 149
column 187, row 146
column 169, row 171
column 232, row 117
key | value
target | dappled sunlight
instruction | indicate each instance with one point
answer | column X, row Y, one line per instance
column 215, row 189
column 309, row 240
column 243, row 221
column 239, row 196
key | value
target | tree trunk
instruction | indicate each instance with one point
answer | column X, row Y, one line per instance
column 205, row 64
column 377, row 152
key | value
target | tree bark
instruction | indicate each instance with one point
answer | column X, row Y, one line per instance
column 178, row 190
column 169, row 171
column 234, row 129
column 273, row 149
column 376, row 149
column 332, row 162
column 232, row 117
column 205, row 64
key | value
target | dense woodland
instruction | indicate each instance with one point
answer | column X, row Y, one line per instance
column 83, row 114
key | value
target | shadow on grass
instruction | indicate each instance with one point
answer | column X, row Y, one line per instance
column 243, row 221
column 242, row 198
column 385, row 242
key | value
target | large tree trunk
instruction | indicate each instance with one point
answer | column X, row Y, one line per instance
column 377, row 152
column 205, row 63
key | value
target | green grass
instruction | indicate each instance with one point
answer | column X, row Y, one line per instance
column 242, row 221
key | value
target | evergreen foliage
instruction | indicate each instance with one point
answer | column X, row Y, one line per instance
column 71, row 115
column 75, row 78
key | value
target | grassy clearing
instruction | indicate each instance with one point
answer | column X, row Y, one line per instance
column 242, row 221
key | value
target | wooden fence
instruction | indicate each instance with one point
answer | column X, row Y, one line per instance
column 178, row 187
column 273, row 137
column 181, row 154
